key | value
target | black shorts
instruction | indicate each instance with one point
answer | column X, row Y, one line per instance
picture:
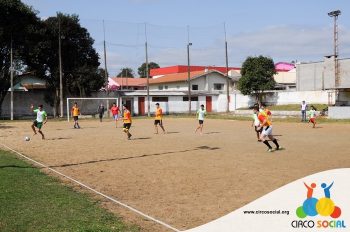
column 201, row 122
column 127, row 125
column 156, row 122
column 75, row 118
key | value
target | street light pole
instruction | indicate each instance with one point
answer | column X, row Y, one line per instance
column 189, row 77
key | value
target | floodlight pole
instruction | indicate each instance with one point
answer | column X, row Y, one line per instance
column 60, row 66
column 105, row 56
column 334, row 15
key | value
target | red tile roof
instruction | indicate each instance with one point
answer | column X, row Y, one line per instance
column 183, row 68
column 176, row 77
column 125, row 81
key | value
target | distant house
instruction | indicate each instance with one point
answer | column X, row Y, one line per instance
column 27, row 81
column 125, row 83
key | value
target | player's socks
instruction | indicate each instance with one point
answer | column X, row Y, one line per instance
column 267, row 144
column 276, row 143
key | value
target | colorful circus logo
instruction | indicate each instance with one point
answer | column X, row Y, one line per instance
column 323, row 206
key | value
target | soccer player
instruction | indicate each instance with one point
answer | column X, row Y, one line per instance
column 101, row 111
column 41, row 118
column 312, row 115
column 115, row 112
column 126, row 121
column 256, row 124
column 75, row 112
column 265, row 110
column 267, row 130
column 201, row 113
column 158, row 120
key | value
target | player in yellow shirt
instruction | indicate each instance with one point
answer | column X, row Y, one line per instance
column 75, row 112
column 158, row 120
column 127, row 121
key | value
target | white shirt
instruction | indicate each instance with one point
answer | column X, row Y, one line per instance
column 201, row 113
column 40, row 115
column 303, row 106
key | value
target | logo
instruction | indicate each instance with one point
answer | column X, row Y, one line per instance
column 323, row 206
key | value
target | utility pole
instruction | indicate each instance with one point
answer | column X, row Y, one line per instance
column 11, row 73
column 60, row 66
column 105, row 56
column 189, row 77
column 227, row 76
column 147, row 75
column 188, row 70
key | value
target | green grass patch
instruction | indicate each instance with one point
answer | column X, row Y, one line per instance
column 33, row 201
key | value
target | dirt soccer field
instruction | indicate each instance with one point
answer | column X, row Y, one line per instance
column 181, row 178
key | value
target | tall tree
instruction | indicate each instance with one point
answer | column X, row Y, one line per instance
column 126, row 72
column 18, row 26
column 142, row 69
column 257, row 76
column 80, row 61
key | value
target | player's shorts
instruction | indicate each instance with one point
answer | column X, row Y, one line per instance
column 267, row 131
column 127, row 126
column 115, row 117
column 312, row 120
column 38, row 124
column 201, row 122
column 75, row 118
column 156, row 122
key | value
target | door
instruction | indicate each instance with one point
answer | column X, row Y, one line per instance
column 208, row 103
column 141, row 105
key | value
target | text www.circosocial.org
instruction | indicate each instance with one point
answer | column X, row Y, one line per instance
column 285, row 212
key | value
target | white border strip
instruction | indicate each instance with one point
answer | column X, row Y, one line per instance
column 95, row 191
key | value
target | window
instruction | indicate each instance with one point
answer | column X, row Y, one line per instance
column 160, row 87
column 194, row 87
column 218, row 86
column 192, row 99
column 166, row 87
column 159, row 99
column 178, row 87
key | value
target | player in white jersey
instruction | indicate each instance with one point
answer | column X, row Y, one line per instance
column 41, row 119
column 201, row 113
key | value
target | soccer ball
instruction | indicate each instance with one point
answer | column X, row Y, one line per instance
column 26, row 138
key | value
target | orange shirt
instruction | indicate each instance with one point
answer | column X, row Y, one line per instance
column 127, row 116
column 159, row 114
column 75, row 111
column 264, row 120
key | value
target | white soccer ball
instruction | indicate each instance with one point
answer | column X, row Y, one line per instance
column 26, row 138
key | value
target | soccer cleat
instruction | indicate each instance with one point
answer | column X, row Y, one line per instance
column 269, row 150
column 129, row 136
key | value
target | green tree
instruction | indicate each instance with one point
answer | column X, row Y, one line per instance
column 80, row 61
column 142, row 69
column 126, row 72
column 257, row 76
column 18, row 26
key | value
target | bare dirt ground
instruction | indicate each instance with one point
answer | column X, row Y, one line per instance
column 182, row 178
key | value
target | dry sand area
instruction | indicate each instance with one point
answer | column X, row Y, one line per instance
column 181, row 178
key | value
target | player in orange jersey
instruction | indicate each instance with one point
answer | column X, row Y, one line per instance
column 75, row 112
column 158, row 120
column 127, row 121
column 267, row 130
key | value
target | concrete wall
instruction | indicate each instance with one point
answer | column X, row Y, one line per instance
column 320, row 75
column 339, row 112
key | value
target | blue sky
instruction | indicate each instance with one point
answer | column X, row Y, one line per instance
column 284, row 30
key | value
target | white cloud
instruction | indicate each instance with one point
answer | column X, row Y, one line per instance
column 282, row 43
